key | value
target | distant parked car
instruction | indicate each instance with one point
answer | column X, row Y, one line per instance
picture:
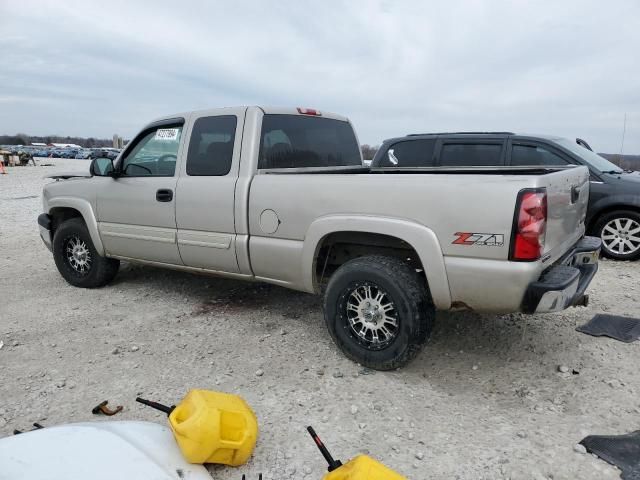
column 112, row 153
column 614, row 199
column 98, row 153
column 83, row 154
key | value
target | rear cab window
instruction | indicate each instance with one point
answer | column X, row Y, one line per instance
column 461, row 153
column 297, row 141
column 409, row 153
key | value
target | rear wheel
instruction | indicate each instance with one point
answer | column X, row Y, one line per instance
column 620, row 234
column 77, row 259
column 378, row 311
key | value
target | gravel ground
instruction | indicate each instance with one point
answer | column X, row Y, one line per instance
column 485, row 399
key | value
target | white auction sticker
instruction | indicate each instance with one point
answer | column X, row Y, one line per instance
column 167, row 134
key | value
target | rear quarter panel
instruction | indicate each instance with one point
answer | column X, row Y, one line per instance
column 444, row 204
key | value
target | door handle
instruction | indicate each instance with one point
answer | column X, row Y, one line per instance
column 164, row 195
column 575, row 194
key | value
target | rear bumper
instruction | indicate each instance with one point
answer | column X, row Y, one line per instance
column 563, row 285
column 44, row 225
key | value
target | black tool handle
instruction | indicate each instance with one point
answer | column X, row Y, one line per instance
column 156, row 405
column 333, row 464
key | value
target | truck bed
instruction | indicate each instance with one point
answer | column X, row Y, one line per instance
column 446, row 201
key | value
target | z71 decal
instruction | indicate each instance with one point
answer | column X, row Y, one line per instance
column 481, row 239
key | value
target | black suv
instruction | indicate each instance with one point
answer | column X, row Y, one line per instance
column 614, row 199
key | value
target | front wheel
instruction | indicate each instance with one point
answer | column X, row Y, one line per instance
column 620, row 234
column 77, row 259
column 379, row 311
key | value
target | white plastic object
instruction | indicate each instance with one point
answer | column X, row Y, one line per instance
column 98, row 451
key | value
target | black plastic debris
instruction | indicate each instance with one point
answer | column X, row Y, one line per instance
column 624, row 329
column 623, row 451
column 36, row 425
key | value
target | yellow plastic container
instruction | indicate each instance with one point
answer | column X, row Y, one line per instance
column 363, row 468
column 214, row 427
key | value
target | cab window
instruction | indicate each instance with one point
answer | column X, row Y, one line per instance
column 211, row 146
column 295, row 141
column 154, row 155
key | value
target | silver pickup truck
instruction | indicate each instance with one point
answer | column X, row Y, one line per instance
column 281, row 196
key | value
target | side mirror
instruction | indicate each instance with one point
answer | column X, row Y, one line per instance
column 101, row 167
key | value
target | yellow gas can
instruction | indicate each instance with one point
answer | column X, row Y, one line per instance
column 214, row 427
column 363, row 468
column 358, row 468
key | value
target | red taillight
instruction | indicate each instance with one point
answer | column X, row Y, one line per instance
column 309, row 111
column 530, row 225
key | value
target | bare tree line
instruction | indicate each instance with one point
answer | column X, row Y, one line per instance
column 626, row 162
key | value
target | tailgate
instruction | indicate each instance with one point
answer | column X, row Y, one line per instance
column 567, row 198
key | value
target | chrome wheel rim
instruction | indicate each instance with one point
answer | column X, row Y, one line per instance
column 372, row 316
column 621, row 236
column 78, row 255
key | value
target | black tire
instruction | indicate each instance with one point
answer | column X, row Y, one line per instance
column 612, row 250
column 93, row 271
column 413, row 310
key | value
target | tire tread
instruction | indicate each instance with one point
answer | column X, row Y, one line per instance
column 105, row 268
column 416, row 290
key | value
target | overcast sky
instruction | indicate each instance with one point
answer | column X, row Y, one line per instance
column 394, row 67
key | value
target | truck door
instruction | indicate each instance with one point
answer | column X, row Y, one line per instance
column 206, row 191
column 136, row 210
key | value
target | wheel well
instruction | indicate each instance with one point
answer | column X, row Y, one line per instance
column 609, row 209
column 61, row 214
column 338, row 248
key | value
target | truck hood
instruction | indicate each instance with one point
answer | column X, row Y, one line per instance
column 98, row 451
column 630, row 178
column 67, row 175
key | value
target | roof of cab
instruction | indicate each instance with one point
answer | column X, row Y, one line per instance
column 265, row 109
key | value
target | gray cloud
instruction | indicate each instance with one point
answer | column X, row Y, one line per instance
column 95, row 68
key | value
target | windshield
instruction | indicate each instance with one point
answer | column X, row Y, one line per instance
column 592, row 158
